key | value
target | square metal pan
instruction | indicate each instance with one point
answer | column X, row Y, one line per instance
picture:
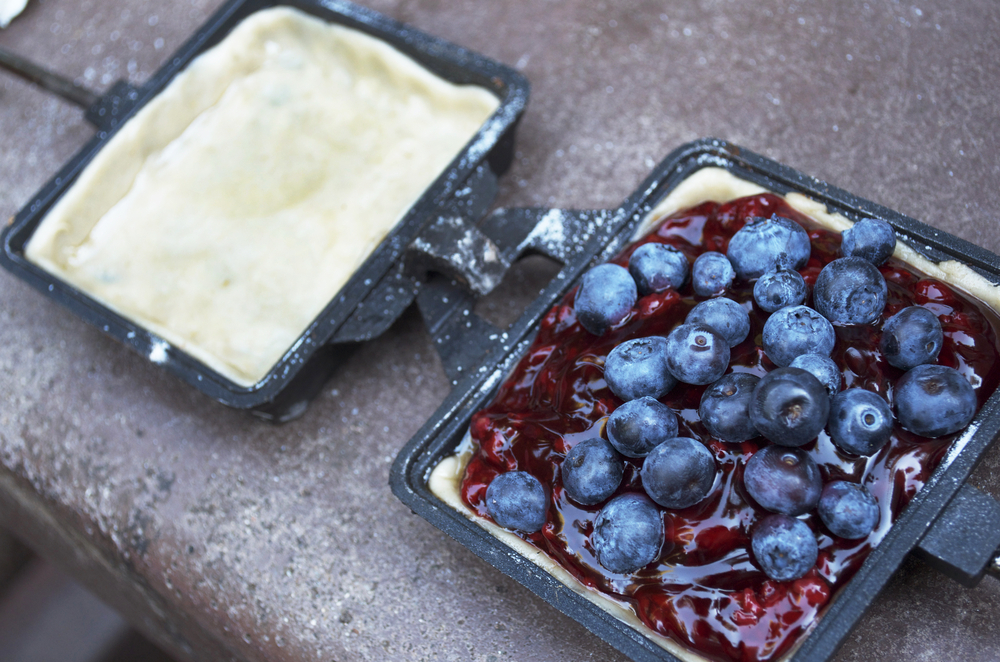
column 497, row 352
column 379, row 291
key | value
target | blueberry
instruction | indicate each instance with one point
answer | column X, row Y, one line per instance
column 822, row 368
column 911, row 337
column 606, row 296
column 697, row 354
column 766, row 244
column 516, row 500
column 870, row 239
column 860, row 421
column 785, row 548
column 711, row 274
column 640, row 425
column 638, row 368
column 725, row 316
column 725, row 407
column 592, row 471
column 783, row 480
column 794, row 331
column 789, row 406
column 850, row 290
column 628, row 533
column 655, row 267
column 678, row 473
column 778, row 289
column 934, row 400
column 848, row 510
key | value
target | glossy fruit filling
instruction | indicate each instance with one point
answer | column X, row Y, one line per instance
column 705, row 591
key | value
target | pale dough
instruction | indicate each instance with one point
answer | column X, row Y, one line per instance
column 706, row 184
column 445, row 483
column 234, row 206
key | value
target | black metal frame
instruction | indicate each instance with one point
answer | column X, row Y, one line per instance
column 496, row 352
column 379, row 290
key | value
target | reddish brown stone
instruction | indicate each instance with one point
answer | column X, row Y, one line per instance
column 227, row 538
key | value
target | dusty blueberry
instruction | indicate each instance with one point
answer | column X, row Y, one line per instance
column 911, row 337
column 678, row 473
column 847, row 509
column 766, row 244
column 711, row 274
column 789, row 406
column 655, row 267
column 606, row 296
column 934, row 400
column 640, row 425
column 871, row 239
column 796, row 330
column 822, row 368
column 778, row 289
column 785, row 548
column 725, row 407
column 860, row 421
column 628, row 533
column 638, row 368
column 592, row 471
column 516, row 500
column 783, row 480
column 850, row 290
column 697, row 354
column 725, row 316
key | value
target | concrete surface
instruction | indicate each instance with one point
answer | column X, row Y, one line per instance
column 227, row 538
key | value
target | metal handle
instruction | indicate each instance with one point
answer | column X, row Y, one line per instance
column 964, row 541
column 558, row 233
column 452, row 246
column 460, row 336
column 48, row 80
column 104, row 111
column 452, row 278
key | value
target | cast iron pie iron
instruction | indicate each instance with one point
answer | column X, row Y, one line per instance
column 479, row 358
column 381, row 288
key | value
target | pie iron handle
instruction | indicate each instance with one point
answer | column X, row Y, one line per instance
column 453, row 247
column 479, row 256
column 560, row 234
column 103, row 111
column 460, row 336
column 112, row 106
column 964, row 541
column 455, row 262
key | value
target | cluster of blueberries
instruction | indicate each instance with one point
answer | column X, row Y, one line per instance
column 789, row 406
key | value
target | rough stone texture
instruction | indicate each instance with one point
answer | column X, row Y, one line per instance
column 227, row 538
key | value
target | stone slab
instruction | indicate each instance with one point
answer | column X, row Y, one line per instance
column 224, row 537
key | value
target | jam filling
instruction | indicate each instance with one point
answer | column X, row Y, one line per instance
column 705, row 591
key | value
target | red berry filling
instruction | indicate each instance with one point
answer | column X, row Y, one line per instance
column 705, row 591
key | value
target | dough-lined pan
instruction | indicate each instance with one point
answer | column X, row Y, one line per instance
column 274, row 377
column 943, row 502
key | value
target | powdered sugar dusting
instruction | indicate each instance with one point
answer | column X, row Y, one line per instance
column 158, row 351
column 550, row 232
column 960, row 443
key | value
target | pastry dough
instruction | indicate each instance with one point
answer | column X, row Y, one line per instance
column 233, row 207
